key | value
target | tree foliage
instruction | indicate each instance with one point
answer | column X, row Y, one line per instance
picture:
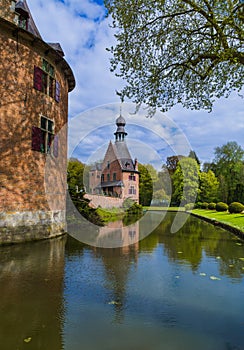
column 229, row 167
column 145, row 185
column 182, row 51
column 185, row 181
column 75, row 173
column 209, row 184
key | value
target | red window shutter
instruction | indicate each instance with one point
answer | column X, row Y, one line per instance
column 55, row 146
column 36, row 139
column 57, row 92
column 38, row 73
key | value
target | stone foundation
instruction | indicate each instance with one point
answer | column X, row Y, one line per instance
column 17, row 227
column 104, row 201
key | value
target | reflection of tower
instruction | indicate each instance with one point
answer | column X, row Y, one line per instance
column 114, row 235
column 118, row 262
column 31, row 308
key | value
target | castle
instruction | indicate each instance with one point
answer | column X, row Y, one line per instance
column 35, row 82
column 118, row 175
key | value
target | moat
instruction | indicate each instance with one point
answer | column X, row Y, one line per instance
column 181, row 291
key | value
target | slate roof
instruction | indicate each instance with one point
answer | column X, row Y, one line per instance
column 111, row 184
column 57, row 47
column 96, row 166
column 123, row 155
column 22, row 7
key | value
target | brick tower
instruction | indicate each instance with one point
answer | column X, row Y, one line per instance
column 119, row 175
column 35, row 81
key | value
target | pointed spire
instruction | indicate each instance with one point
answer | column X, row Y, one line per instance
column 120, row 132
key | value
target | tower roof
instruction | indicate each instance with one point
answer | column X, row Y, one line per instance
column 22, row 8
column 120, row 132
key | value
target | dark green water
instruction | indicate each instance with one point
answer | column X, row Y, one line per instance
column 182, row 291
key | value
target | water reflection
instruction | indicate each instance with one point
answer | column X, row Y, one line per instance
column 31, row 307
column 198, row 239
column 155, row 293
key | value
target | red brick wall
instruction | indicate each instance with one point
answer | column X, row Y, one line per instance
column 21, row 169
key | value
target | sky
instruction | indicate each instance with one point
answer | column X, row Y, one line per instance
column 82, row 28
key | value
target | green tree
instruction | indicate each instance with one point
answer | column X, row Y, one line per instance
column 171, row 163
column 164, row 181
column 229, row 168
column 75, row 175
column 209, row 185
column 145, row 185
column 76, row 190
column 182, row 51
column 185, row 181
column 193, row 155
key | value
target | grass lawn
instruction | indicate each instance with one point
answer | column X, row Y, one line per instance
column 234, row 220
column 164, row 208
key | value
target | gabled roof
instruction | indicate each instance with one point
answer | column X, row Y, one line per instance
column 123, row 155
column 22, row 7
column 119, row 152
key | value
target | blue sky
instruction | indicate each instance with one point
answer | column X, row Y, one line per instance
column 82, row 29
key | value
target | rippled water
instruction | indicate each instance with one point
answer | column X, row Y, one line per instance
column 179, row 291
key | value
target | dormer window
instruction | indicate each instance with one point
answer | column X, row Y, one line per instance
column 23, row 22
column 23, row 15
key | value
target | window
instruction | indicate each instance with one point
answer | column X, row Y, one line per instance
column 132, row 177
column 108, row 164
column 132, row 190
column 114, row 176
column 23, row 22
column 47, row 134
column 45, row 82
column 43, row 139
column 108, row 177
column 102, row 178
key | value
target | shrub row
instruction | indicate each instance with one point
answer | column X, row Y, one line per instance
column 234, row 207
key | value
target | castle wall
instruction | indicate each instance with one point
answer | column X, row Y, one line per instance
column 104, row 202
column 32, row 183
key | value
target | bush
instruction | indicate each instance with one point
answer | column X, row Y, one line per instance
column 212, row 206
column 221, row 206
column 236, row 207
column 204, row 205
column 198, row 205
column 189, row 206
column 128, row 202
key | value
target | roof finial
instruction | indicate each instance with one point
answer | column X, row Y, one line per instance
column 120, row 133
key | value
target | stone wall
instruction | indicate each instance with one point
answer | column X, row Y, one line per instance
column 104, row 201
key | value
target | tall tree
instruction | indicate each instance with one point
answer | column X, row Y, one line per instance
column 181, row 51
column 229, row 168
column 145, row 184
column 185, row 181
column 75, row 175
column 209, row 186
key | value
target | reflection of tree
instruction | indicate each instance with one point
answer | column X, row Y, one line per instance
column 185, row 245
column 196, row 237
column 31, row 281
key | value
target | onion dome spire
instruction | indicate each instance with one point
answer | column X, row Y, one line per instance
column 120, row 132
